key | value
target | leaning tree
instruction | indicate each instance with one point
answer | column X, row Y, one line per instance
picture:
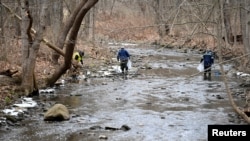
column 32, row 38
column 69, row 35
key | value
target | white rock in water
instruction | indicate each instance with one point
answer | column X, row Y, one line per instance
column 12, row 112
column 103, row 137
column 88, row 73
column 106, row 73
column 239, row 73
column 41, row 91
column 244, row 74
column 27, row 99
column 81, row 77
column 49, row 90
column 26, row 103
column 63, row 82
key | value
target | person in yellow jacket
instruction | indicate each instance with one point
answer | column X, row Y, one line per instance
column 78, row 56
column 77, row 63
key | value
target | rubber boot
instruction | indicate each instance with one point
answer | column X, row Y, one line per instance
column 205, row 76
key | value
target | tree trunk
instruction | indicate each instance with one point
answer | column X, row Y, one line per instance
column 77, row 20
column 65, row 31
column 245, row 26
column 30, row 47
column 226, row 14
column 26, row 75
column 56, row 19
column 159, row 18
column 91, row 24
column 3, row 13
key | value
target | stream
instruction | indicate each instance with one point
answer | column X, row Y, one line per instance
column 165, row 98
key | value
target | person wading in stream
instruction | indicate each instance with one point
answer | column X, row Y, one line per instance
column 123, row 56
column 77, row 62
column 208, row 58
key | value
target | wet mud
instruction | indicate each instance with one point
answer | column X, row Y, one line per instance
column 164, row 99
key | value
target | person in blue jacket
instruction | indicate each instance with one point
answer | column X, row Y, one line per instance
column 123, row 56
column 208, row 58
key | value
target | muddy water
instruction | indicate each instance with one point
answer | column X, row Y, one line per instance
column 159, row 101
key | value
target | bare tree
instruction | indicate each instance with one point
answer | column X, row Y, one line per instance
column 66, row 29
column 31, row 39
column 30, row 45
column 54, row 22
column 55, row 15
column 162, row 27
column 227, row 22
column 71, row 29
column 245, row 27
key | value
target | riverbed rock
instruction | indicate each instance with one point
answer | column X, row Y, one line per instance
column 103, row 137
column 125, row 128
column 58, row 112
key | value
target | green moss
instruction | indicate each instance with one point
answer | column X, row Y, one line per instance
column 7, row 100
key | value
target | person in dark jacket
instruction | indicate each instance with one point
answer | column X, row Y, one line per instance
column 123, row 56
column 208, row 61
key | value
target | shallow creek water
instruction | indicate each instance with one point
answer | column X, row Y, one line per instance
column 159, row 101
